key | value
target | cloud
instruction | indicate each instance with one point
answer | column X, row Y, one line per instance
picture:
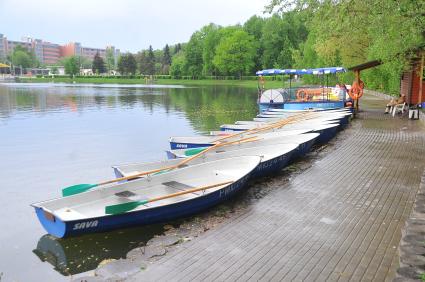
column 127, row 24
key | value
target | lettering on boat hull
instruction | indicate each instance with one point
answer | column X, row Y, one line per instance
column 84, row 225
column 232, row 188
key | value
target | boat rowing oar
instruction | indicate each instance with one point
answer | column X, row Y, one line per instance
column 195, row 151
column 80, row 188
column 205, row 150
column 125, row 207
column 273, row 125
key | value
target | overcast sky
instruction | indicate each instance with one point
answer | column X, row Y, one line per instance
column 130, row 25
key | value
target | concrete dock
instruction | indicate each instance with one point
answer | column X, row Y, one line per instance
column 340, row 219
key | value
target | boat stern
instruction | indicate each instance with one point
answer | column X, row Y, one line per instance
column 52, row 224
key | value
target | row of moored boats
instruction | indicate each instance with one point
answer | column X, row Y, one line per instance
column 202, row 171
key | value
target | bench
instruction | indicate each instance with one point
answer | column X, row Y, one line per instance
column 399, row 108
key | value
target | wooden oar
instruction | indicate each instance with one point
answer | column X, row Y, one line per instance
column 80, row 188
column 195, row 151
column 248, row 131
column 279, row 124
column 270, row 126
column 125, row 207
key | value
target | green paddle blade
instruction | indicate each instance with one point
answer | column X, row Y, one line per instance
column 76, row 189
column 125, row 207
column 192, row 152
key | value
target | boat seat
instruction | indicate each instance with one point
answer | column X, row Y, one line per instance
column 177, row 185
column 129, row 195
column 181, row 186
column 125, row 194
column 160, row 190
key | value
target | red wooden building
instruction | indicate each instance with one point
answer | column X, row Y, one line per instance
column 412, row 81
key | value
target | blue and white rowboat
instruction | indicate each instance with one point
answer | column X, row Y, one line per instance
column 205, row 141
column 85, row 212
column 273, row 158
column 300, row 125
column 304, row 142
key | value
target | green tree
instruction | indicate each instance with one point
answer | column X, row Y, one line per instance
column 21, row 59
column 127, row 64
column 110, row 59
column 178, row 65
column 54, row 70
column 193, row 55
column 276, row 43
column 150, row 61
column 24, row 58
column 166, row 60
column 355, row 31
column 210, row 39
column 235, row 54
column 166, row 57
column 98, row 64
column 142, row 61
column 177, row 48
column 71, row 65
column 254, row 26
column 84, row 62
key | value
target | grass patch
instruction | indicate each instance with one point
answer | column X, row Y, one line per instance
column 187, row 82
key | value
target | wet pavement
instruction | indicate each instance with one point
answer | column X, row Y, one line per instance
column 338, row 218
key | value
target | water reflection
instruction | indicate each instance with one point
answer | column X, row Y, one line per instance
column 205, row 107
column 80, row 254
column 53, row 136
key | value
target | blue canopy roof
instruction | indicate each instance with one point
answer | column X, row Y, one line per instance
column 295, row 71
column 326, row 70
column 269, row 72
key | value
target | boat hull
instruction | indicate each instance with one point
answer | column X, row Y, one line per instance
column 263, row 169
column 303, row 149
column 61, row 229
column 302, row 105
column 273, row 165
column 179, row 145
column 326, row 134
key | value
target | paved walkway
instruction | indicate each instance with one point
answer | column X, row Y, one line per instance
column 340, row 219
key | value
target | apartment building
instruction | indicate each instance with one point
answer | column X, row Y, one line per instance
column 75, row 49
column 51, row 53
column 89, row 53
column 71, row 49
column 2, row 44
column 48, row 53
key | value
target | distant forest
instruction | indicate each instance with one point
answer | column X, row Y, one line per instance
column 302, row 34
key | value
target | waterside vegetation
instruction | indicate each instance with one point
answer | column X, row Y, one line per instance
column 295, row 34
column 251, row 82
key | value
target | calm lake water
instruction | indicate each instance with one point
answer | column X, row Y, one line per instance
column 56, row 135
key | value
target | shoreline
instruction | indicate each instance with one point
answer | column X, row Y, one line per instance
column 178, row 233
column 186, row 82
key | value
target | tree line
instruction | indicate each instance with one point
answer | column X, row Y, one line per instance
column 351, row 32
column 148, row 62
column 295, row 34
column 303, row 34
column 224, row 51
